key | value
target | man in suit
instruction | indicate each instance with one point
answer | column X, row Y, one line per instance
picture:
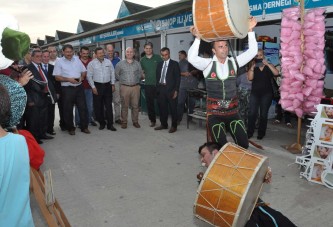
column 168, row 80
column 38, row 93
column 52, row 98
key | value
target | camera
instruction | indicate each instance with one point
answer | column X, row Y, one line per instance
column 22, row 68
column 258, row 63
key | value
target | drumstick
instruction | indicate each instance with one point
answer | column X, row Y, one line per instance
column 256, row 145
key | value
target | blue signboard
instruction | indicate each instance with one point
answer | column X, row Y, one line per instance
column 166, row 23
column 276, row 6
column 186, row 19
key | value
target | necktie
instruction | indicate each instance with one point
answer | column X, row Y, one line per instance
column 43, row 77
column 163, row 73
column 45, row 68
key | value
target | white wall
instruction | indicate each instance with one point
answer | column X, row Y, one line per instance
column 178, row 42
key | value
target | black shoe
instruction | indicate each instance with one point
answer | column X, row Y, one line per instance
column 172, row 129
column 118, row 122
column 101, row 127
column 93, row 123
column 85, row 131
column 260, row 137
column 46, row 137
column 63, row 128
column 71, row 132
column 160, row 127
column 51, row 132
column 110, row 127
column 39, row 141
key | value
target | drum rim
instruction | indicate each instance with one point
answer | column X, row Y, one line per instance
column 229, row 21
column 243, row 197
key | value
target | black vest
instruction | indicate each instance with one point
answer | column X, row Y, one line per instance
column 221, row 89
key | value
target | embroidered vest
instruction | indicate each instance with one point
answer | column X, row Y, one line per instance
column 221, row 89
column 221, row 94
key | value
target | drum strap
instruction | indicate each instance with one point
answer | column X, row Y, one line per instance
column 233, row 54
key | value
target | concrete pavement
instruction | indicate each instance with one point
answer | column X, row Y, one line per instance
column 142, row 177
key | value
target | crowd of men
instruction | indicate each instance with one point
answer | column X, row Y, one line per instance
column 101, row 89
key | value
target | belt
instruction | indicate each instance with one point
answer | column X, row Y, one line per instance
column 127, row 85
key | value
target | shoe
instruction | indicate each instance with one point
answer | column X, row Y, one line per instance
column 39, row 141
column 63, row 128
column 276, row 122
column 101, row 127
column 85, row 131
column 123, row 125
column 51, row 132
column 260, row 137
column 46, row 137
column 118, row 122
column 160, row 127
column 152, row 124
column 172, row 129
column 136, row 125
column 110, row 127
column 93, row 123
column 289, row 125
column 71, row 132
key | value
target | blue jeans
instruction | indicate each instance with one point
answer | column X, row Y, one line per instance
column 89, row 100
column 262, row 101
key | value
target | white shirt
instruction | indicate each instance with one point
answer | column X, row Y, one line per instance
column 100, row 72
column 69, row 68
column 205, row 64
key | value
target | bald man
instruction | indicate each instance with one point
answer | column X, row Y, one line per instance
column 129, row 74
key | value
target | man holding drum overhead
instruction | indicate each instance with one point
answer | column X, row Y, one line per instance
column 220, row 75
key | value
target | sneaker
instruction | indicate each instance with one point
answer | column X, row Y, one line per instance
column 93, row 123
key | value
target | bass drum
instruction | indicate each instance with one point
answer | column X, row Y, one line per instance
column 221, row 19
column 230, row 187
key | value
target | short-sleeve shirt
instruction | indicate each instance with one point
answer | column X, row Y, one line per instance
column 149, row 66
column 69, row 68
column 128, row 73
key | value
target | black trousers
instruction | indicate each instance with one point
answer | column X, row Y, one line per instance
column 36, row 120
column 103, row 101
column 50, row 117
column 219, row 126
column 165, row 102
column 150, row 92
column 61, row 112
column 74, row 96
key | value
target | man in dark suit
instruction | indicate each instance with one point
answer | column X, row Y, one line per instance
column 168, row 80
column 38, row 93
column 52, row 98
